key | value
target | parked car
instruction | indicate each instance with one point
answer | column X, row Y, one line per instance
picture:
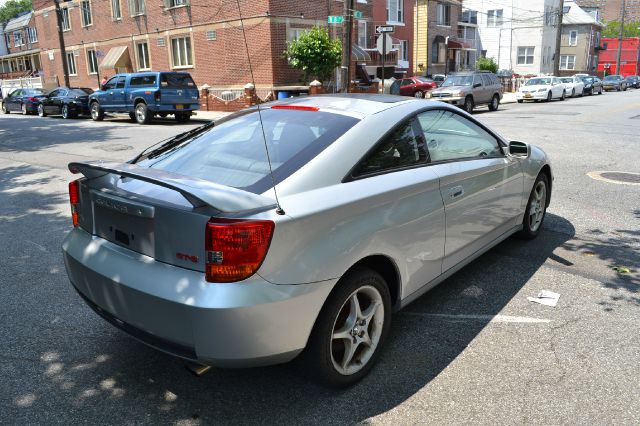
column 592, row 84
column 379, row 199
column 69, row 102
column 541, row 89
column 23, row 100
column 470, row 89
column 633, row 81
column 145, row 95
column 614, row 82
column 439, row 79
column 414, row 86
column 573, row 86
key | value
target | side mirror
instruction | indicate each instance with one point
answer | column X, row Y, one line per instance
column 519, row 149
column 477, row 85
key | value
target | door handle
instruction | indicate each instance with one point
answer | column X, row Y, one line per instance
column 456, row 192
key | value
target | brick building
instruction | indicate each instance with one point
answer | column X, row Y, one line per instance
column 19, row 49
column 203, row 37
column 609, row 10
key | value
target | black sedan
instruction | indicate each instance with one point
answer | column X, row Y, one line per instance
column 592, row 85
column 23, row 100
column 633, row 81
column 66, row 101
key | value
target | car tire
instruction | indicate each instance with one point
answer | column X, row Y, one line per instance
column 5, row 109
column 549, row 96
column 564, row 95
column 24, row 110
column 97, row 114
column 520, row 101
column 536, row 208
column 65, row 112
column 495, row 103
column 41, row 112
column 132, row 116
column 419, row 94
column 142, row 113
column 468, row 104
column 350, row 330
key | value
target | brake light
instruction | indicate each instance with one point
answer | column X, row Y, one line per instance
column 235, row 249
column 296, row 107
column 156, row 96
column 32, row 99
column 74, row 200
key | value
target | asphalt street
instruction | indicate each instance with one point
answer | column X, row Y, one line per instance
column 472, row 351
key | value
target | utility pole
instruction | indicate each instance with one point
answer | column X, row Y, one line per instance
column 620, row 37
column 63, row 51
column 346, row 50
column 556, row 56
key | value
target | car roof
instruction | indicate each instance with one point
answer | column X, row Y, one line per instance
column 361, row 104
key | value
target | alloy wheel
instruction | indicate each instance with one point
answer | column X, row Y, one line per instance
column 538, row 206
column 40, row 110
column 357, row 331
column 65, row 111
column 141, row 113
column 419, row 94
column 24, row 109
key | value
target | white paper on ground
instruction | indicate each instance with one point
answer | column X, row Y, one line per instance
column 546, row 297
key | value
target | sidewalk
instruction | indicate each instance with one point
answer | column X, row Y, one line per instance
column 508, row 98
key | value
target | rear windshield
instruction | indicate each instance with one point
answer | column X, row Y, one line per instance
column 33, row 92
column 538, row 81
column 233, row 152
column 79, row 92
column 611, row 78
column 566, row 80
column 425, row 80
column 143, row 81
column 178, row 81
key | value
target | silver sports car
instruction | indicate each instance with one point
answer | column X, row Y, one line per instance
column 296, row 229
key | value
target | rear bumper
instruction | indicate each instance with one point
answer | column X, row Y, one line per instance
column 171, row 108
column 175, row 310
column 532, row 96
column 450, row 100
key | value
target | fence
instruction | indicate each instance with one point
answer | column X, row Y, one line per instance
column 32, row 82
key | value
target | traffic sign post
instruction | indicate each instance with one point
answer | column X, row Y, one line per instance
column 381, row 29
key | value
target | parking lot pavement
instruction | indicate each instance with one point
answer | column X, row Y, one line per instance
column 474, row 350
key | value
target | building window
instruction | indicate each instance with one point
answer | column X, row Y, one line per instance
column 136, row 7
column 525, row 55
column 362, row 34
column 17, row 38
column 443, row 14
column 168, row 4
column 66, row 21
column 211, row 35
column 71, row 63
column 395, row 10
column 143, row 56
column 32, row 34
column 573, row 38
column 181, row 52
column 438, row 50
column 85, row 12
column 470, row 17
column 403, row 54
column 116, row 12
column 567, row 62
column 494, row 18
column 92, row 61
column 294, row 33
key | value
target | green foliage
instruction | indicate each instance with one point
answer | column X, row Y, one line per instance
column 612, row 29
column 314, row 53
column 486, row 64
column 12, row 7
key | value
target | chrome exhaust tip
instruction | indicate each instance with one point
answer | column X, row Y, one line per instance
column 198, row 370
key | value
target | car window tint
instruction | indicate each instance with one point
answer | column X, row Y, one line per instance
column 233, row 152
column 62, row 92
column 78, row 92
column 406, row 82
column 111, row 84
column 450, row 136
column 16, row 93
column 404, row 148
column 54, row 93
column 178, row 81
column 120, row 83
column 143, row 81
column 477, row 79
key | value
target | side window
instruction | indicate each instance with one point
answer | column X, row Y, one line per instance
column 16, row 93
column 120, row 82
column 62, row 92
column 450, row 137
column 486, row 79
column 54, row 93
column 406, row 82
column 477, row 79
column 403, row 148
column 111, row 84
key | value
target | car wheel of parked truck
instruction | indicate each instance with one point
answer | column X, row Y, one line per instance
column 142, row 113
column 97, row 114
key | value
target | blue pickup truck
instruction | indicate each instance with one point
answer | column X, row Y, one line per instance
column 146, row 94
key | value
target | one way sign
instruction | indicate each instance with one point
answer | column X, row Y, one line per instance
column 381, row 29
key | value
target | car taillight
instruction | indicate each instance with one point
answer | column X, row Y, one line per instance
column 156, row 96
column 235, row 248
column 32, row 99
column 74, row 200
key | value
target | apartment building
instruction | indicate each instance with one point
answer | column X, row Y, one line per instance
column 19, row 49
column 580, row 41
column 519, row 34
column 203, row 37
column 610, row 10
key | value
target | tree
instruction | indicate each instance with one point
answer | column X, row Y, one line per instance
column 612, row 29
column 487, row 64
column 314, row 53
column 12, row 8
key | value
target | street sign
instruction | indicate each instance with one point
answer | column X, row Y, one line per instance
column 380, row 29
column 357, row 14
column 335, row 19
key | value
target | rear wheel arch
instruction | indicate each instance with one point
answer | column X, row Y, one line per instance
column 547, row 171
column 384, row 266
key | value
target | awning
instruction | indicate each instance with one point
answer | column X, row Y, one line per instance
column 18, row 54
column 116, row 57
column 357, row 54
column 454, row 44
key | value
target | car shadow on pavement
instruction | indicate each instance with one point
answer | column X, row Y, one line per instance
column 78, row 368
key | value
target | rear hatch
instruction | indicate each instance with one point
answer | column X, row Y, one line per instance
column 178, row 89
column 158, row 214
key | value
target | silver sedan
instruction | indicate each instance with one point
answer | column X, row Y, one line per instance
column 298, row 228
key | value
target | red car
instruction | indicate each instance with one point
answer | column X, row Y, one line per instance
column 416, row 86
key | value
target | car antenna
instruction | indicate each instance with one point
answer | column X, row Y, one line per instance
column 279, row 209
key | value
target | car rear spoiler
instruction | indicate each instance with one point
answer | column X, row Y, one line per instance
column 198, row 192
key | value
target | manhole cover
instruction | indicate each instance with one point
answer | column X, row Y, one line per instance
column 624, row 178
column 114, row 147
